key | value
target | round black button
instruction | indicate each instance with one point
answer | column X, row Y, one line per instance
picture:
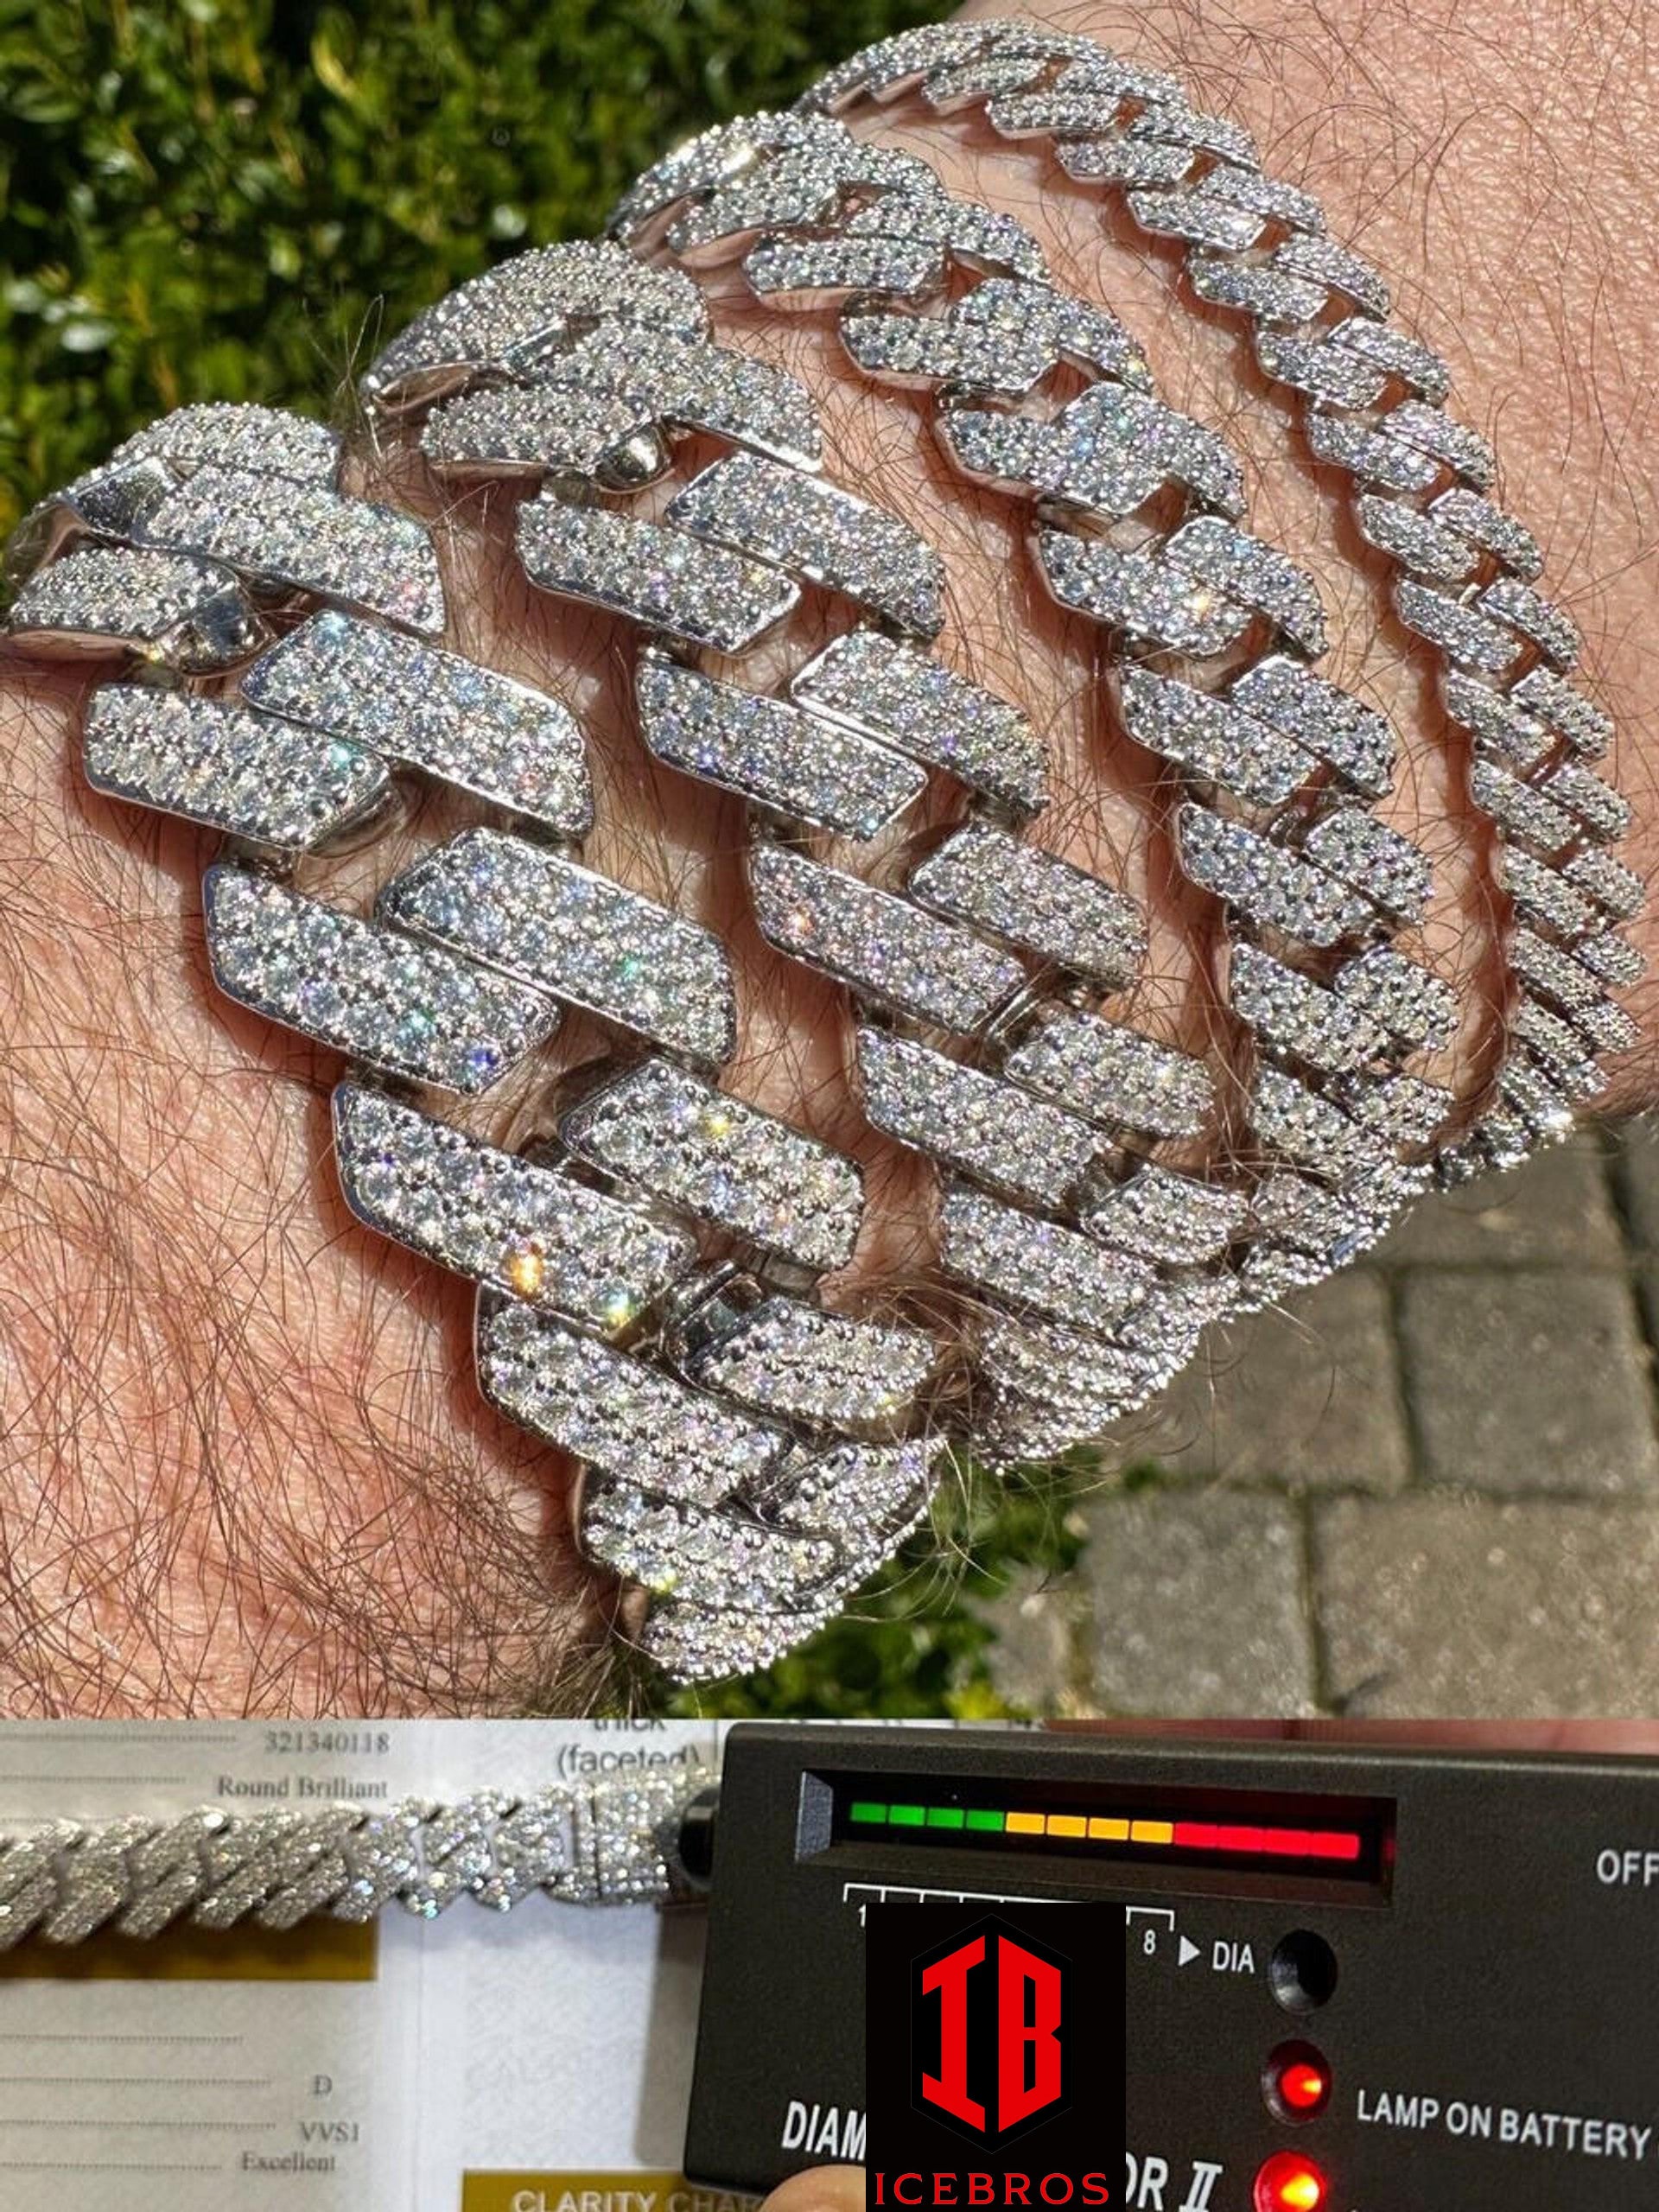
column 1302, row 1973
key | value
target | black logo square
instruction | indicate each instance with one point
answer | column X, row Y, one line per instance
column 995, row 2043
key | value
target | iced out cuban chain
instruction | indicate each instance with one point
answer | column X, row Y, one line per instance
column 1374, row 406
column 1032, row 1122
column 751, row 1528
column 753, row 1531
column 616, row 1843
column 751, row 1457
column 1282, row 766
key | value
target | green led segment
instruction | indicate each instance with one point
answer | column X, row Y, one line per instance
column 866, row 1814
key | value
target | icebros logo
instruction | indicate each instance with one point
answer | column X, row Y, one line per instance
column 987, row 2019
column 1001, row 2031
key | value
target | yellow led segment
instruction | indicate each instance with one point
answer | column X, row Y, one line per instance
column 1109, row 1831
column 1152, row 1831
column 1025, row 1824
column 1067, row 1824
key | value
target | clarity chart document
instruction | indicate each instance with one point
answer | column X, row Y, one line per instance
column 537, row 2060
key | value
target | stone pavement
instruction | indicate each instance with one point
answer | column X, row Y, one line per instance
column 1430, row 1487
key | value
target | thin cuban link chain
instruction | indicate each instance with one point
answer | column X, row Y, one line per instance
column 1374, row 401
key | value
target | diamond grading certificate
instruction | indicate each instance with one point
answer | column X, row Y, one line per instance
column 537, row 2060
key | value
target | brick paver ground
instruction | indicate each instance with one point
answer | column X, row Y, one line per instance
column 1430, row 1487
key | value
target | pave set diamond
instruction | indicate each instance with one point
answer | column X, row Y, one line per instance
column 999, row 340
column 800, row 523
column 1112, row 1074
column 672, row 1134
column 891, row 953
column 541, row 430
column 609, row 395
column 781, row 756
column 696, row 594
column 892, row 692
column 1022, row 1259
column 303, row 535
column 620, row 1414
column 1026, row 896
column 167, row 607
column 986, row 1128
column 500, row 325
column 532, row 912
column 248, row 774
column 500, row 1219
column 408, row 1009
column 1112, row 449
column 797, row 1364
column 430, row 710
column 705, row 1559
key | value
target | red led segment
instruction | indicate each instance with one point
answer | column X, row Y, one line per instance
column 1269, row 1843
column 1290, row 2183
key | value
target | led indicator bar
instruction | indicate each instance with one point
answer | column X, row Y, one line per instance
column 1334, row 1847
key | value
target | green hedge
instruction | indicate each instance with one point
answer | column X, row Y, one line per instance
column 231, row 200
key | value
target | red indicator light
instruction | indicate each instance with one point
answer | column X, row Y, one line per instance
column 1304, row 2086
column 1296, row 2082
column 1290, row 2183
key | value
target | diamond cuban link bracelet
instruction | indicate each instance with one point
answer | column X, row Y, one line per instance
column 746, row 1469
column 1374, row 400
column 802, row 1518
column 458, row 975
column 1051, row 1387
column 614, row 1843
column 964, row 943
